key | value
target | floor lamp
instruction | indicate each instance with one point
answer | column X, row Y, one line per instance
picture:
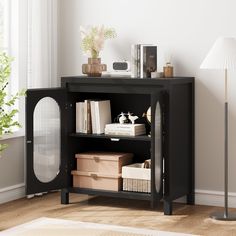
column 223, row 56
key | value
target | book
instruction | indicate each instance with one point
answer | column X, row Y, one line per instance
column 125, row 129
column 143, row 60
column 134, row 62
column 148, row 60
column 118, row 126
column 79, row 117
column 116, row 74
column 124, row 133
column 93, row 117
column 87, row 117
column 101, row 115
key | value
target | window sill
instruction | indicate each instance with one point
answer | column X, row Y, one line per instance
column 13, row 135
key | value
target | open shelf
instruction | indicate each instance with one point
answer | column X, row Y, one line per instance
column 120, row 194
column 103, row 136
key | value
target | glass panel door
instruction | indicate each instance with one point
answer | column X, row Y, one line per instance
column 46, row 139
column 45, row 133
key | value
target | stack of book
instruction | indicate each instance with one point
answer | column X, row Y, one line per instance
column 125, row 129
column 143, row 60
column 92, row 116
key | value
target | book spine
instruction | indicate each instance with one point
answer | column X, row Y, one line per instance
column 93, row 118
column 134, row 61
column 85, row 116
column 141, row 61
column 77, row 124
column 79, row 117
column 81, row 125
column 97, row 117
column 89, row 120
column 138, row 60
column 144, row 64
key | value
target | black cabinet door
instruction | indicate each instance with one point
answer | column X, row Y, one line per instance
column 46, row 160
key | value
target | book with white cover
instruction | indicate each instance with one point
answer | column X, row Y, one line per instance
column 87, row 117
column 125, row 132
column 125, row 129
column 118, row 126
column 102, row 115
column 79, row 117
column 93, row 117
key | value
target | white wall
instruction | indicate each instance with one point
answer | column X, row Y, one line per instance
column 12, row 170
column 184, row 28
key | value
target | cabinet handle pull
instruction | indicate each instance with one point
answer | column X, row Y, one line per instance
column 28, row 141
column 96, row 159
column 94, row 176
column 115, row 139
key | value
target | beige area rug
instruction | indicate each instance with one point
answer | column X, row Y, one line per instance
column 57, row 227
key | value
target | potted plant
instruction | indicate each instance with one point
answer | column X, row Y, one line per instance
column 7, row 102
column 93, row 39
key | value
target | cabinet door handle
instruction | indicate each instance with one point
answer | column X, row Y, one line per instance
column 96, row 159
column 94, row 176
column 28, row 141
column 115, row 139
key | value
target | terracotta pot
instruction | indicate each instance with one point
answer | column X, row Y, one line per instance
column 94, row 68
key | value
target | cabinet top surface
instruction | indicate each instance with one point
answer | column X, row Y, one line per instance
column 126, row 80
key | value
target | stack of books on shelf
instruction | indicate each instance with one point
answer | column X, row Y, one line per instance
column 125, row 129
column 92, row 116
column 143, row 60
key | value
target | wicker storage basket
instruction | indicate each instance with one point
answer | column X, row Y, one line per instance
column 136, row 178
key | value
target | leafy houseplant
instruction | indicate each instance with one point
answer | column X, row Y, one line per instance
column 93, row 39
column 7, row 102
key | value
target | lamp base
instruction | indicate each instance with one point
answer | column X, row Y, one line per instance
column 222, row 216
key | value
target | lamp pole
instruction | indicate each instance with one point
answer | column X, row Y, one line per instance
column 225, row 215
column 226, row 145
column 222, row 56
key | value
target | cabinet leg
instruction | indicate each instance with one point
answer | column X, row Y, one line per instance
column 64, row 196
column 167, row 207
column 191, row 199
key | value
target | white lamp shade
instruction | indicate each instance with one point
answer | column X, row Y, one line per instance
column 222, row 55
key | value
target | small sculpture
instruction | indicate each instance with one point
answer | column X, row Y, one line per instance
column 122, row 118
column 132, row 118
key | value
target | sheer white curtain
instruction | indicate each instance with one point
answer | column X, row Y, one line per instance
column 42, row 43
column 39, row 66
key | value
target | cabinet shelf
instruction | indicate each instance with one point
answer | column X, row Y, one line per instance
column 115, row 137
column 120, row 194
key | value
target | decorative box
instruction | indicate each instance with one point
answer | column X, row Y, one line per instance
column 92, row 180
column 103, row 162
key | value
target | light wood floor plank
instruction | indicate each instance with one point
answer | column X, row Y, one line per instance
column 186, row 219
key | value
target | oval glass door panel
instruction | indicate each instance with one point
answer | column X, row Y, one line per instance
column 47, row 136
column 158, row 151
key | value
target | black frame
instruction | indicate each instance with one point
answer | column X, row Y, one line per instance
column 33, row 96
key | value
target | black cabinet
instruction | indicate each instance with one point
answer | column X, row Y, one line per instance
column 52, row 142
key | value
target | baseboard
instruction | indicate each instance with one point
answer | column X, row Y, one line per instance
column 202, row 197
column 211, row 198
column 214, row 198
column 12, row 193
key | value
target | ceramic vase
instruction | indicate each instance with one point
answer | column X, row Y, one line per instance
column 94, row 68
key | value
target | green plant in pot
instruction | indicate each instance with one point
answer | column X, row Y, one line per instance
column 7, row 101
column 93, row 39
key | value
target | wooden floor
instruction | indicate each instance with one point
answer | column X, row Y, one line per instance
column 186, row 219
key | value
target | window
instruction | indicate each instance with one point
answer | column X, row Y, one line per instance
column 10, row 43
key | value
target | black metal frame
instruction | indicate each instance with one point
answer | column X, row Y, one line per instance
column 33, row 96
column 176, row 97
